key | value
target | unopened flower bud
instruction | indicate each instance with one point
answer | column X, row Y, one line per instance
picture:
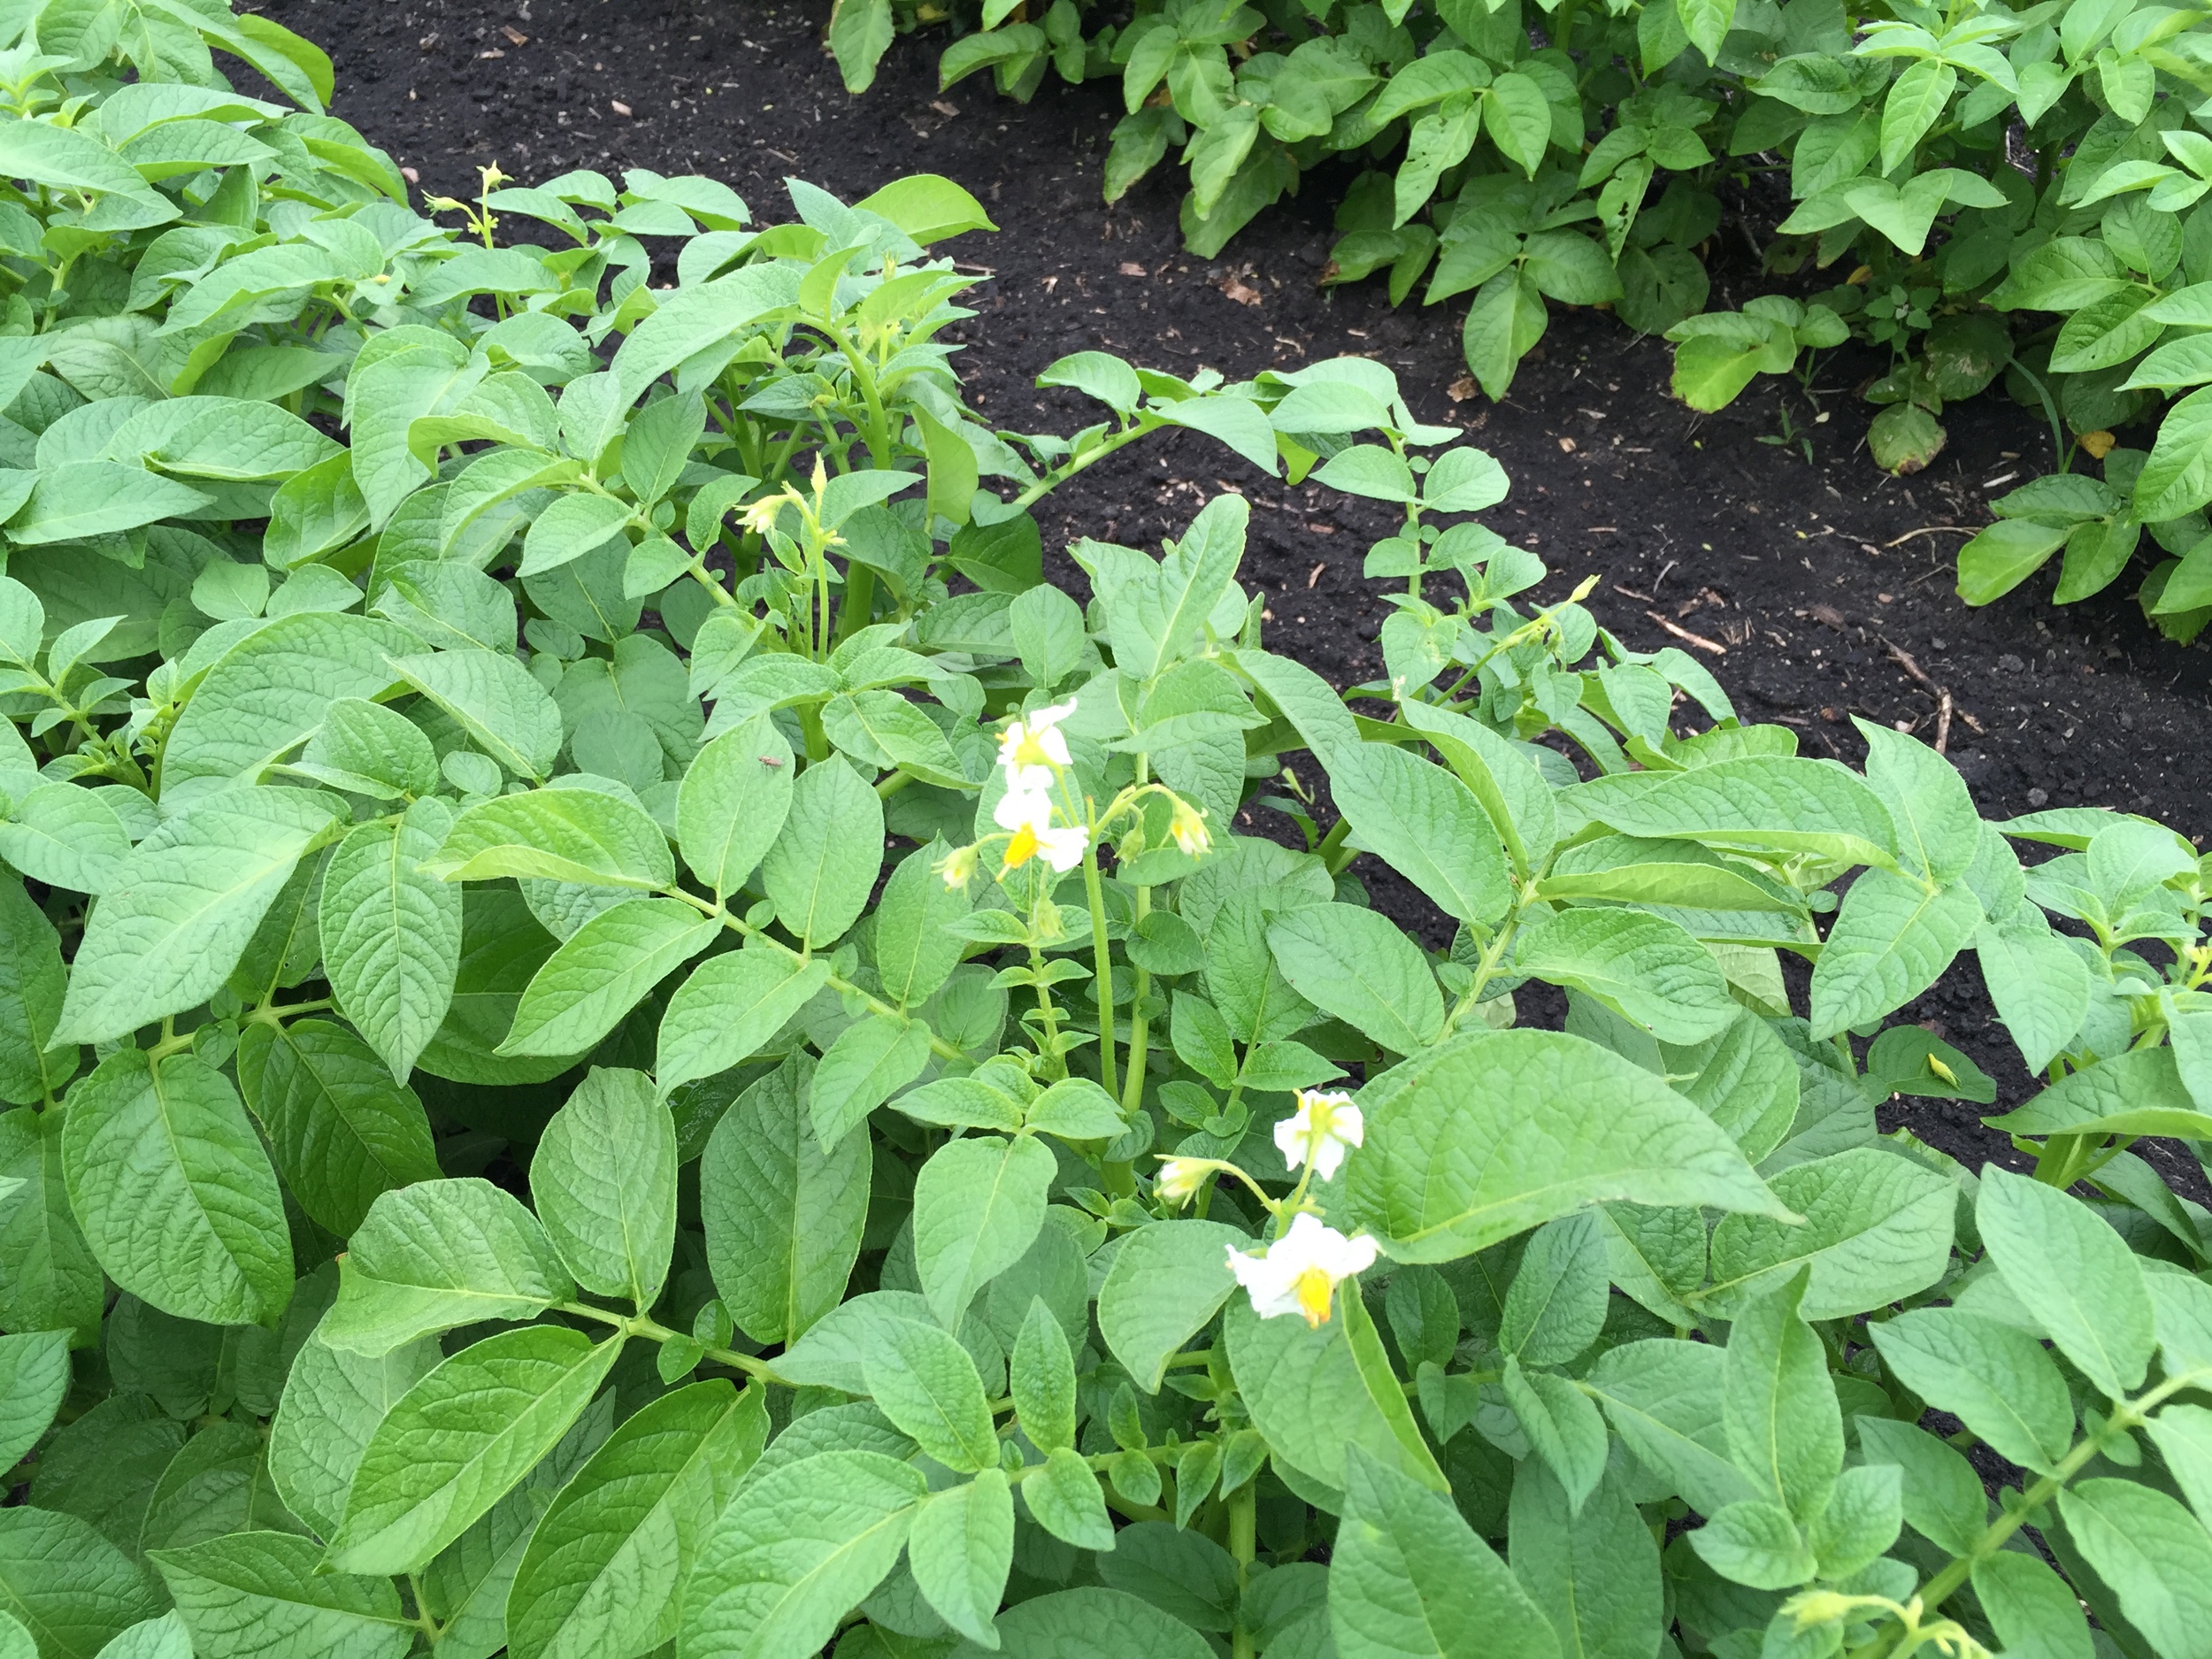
column 1179, row 1181
column 958, row 867
column 1189, row 829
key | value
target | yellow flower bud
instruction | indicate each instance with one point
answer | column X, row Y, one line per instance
column 1179, row 1181
column 1189, row 829
column 1820, row 1607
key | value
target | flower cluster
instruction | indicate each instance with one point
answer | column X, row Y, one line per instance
column 1298, row 1271
column 1032, row 752
column 761, row 516
column 1033, row 757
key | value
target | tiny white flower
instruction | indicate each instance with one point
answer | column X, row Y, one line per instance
column 1028, row 814
column 1032, row 748
column 1325, row 1126
column 1179, row 1179
column 1301, row 1271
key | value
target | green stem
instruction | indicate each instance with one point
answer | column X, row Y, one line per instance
column 781, row 467
column 1493, row 954
column 836, row 982
column 1102, row 964
column 1052, row 480
column 275, row 1013
column 2059, row 1163
column 2127, row 1415
column 1243, row 1544
column 863, row 377
column 1140, row 1028
column 170, row 1042
column 1332, row 846
column 705, row 578
column 1050, row 1016
column 860, row 600
column 817, row 744
column 653, row 1330
column 2061, row 456
column 1140, row 1025
column 422, row 1620
column 818, row 621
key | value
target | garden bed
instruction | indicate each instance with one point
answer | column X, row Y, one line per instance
column 1817, row 590
column 1795, row 569
column 560, row 1171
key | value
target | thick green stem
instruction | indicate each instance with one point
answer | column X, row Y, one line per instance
column 1243, row 1544
column 1140, row 1026
column 1332, row 846
column 860, row 599
column 817, row 744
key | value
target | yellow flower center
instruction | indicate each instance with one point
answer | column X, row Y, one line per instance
column 1320, row 1120
column 1028, row 751
column 1022, row 848
column 1313, row 1288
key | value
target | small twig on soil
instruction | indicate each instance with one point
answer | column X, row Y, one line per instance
column 1630, row 593
column 1688, row 638
column 1314, row 575
column 1904, row 660
column 1932, row 529
column 1662, row 576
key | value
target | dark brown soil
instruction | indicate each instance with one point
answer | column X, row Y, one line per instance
column 1807, row 585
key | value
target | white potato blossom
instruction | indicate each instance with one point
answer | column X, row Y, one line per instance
column 1301, row 1271
column 1028, row 814
column 1325, row 1127
column 1032, row 749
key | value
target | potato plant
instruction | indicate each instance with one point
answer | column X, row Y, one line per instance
column 1999, row 191
column 600, row 1063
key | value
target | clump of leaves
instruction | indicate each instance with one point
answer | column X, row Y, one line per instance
column 600, row 1061
column 1576, row 155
